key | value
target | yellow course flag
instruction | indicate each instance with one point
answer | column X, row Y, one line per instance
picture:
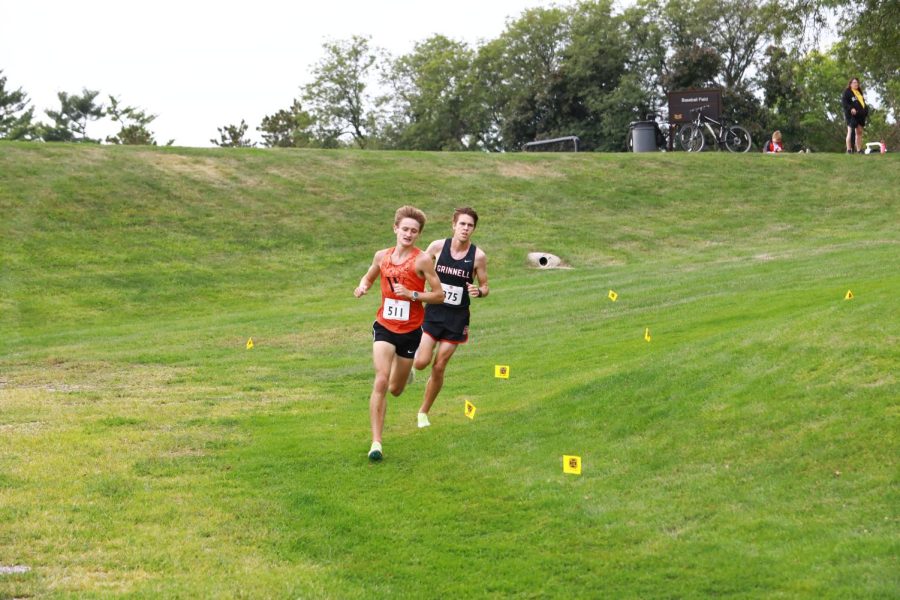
column 250, row 344
column 613, row 296
column 848, row 295
column 501, row 371
column 470, row 410
column 647, row 334
column 572, row 464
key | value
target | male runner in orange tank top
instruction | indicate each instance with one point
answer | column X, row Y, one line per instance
column 397, row 330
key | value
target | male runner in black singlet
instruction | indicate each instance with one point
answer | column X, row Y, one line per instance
column 459, row 263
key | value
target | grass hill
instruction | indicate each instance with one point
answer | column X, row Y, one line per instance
column 748, row 450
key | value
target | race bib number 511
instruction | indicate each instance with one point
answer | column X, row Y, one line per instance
column 395, row 310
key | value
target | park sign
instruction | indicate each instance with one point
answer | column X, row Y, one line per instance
column 684, row 105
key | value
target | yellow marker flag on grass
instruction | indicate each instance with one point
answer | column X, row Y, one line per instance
column 572, row 464
column 613, row 296
column 250, row 344
column 848, row 295
column 501, row 371
column 647, row 334
column 470, row 410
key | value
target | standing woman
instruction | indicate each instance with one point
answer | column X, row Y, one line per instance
column 855, row 112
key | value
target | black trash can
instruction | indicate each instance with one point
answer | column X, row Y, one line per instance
column 643, row 136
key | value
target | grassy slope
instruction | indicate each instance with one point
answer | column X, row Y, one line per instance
column 749, row 450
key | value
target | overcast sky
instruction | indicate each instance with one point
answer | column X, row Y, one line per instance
column 202, row 64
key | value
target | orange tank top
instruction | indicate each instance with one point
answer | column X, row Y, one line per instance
column 396, row 313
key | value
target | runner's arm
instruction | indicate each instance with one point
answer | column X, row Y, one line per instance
column 369, row 278
column 434, row 249
column 482, row 289
column 425, row 266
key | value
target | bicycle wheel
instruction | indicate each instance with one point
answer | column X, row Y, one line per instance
column 683, row 137
column 737, row 139
column 697, row 140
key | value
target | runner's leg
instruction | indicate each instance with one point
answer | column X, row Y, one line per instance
column 399, row 374
column 382, row 355
column 425, row 352
column 436, row 381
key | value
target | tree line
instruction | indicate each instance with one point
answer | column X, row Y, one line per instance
column 586, row 70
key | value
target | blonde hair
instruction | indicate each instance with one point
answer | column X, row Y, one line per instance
column 410, row 212
column 776, row 136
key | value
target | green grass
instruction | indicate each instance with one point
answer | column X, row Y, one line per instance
column 749, row 450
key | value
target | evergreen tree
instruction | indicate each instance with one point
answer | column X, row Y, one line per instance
column 15, row 117
column 133, row 125
column 71, row 120
column 232, row 136
column 290, row 128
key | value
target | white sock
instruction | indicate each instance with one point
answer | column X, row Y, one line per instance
column 375, row 446
column 423, row 420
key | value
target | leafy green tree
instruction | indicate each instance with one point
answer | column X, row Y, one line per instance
column 337, row 97
column 740, row 31
column 232, row 136
column 133, row 125
column 15, row 115
column 489, row 96
column 526, row 61
column 71, row 120
column 736, row 30
column 694, row 66
column 287, row 128
column 599, row 94
column 646, row 52
column 432, row 92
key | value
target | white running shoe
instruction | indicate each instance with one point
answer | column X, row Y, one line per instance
column 423, row 420
column 375, row 453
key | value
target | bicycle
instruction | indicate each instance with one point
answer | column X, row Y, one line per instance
column 733, row 137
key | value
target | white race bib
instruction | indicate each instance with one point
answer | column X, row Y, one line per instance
column 453, row 294
column 395, row 310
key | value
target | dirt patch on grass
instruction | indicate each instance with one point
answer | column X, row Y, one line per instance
column 26, row 427
column 195, row 166
column 69, row 377
column 215, row 171
column 523, row 170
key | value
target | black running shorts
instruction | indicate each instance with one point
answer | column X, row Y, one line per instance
column 405, row 344
column 445, row 324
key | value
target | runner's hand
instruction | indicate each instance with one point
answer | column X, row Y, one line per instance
column 400, row 290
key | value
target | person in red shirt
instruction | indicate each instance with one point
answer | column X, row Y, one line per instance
column 397, row 330
column 774, row 145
